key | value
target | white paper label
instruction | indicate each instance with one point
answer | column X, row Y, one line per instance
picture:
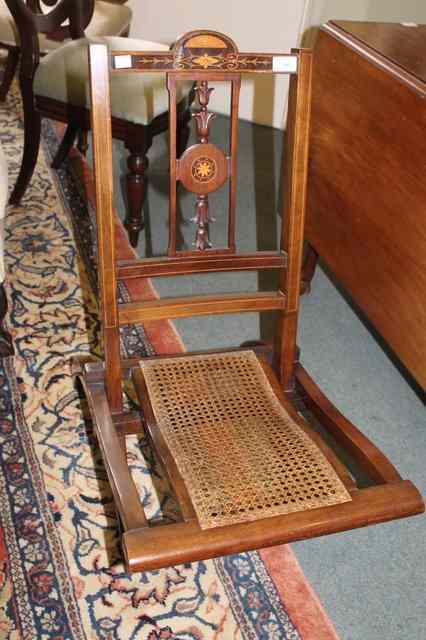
column 409, row 24
column 123, row 62
column 287, row 64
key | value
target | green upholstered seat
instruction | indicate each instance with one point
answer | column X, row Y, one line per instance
column 63, row 75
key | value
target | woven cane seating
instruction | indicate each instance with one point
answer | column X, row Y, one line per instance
column 240, row 432
column 241, row 453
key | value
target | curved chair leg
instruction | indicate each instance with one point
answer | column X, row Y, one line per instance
column 137, row 163
column 9, row 72
column 32, row 131
column 66, row 145
column 6, row 346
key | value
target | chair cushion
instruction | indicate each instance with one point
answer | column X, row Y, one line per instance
column 63, row 75
column 3, row 200
column 108, row 20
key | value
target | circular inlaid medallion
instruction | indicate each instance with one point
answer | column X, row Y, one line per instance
column 203, row 168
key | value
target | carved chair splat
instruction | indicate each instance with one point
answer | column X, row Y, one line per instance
column 230, row 427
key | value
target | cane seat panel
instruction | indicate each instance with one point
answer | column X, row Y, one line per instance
column 241, row 454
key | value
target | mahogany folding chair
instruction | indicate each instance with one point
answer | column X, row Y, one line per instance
column 230, row 427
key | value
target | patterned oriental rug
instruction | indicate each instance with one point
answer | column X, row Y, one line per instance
column 61, row 576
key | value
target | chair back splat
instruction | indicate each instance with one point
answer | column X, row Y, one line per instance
column 230, row 427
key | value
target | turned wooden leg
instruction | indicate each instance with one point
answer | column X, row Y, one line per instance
column 66, row 145
column 32, row 131
column 137, row 163
column 6, row 346
column 9, row 72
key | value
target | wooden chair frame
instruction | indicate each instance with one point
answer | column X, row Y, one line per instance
column 146, row 547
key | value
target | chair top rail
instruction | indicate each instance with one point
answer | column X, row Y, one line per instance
column 205, row 52
column 163, row 61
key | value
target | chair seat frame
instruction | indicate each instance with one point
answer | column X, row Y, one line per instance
column 148, row 547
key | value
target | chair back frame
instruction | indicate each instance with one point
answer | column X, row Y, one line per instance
column 203, row 56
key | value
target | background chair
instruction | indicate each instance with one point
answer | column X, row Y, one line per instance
column 56, row 86
column 240, row 432
column 110, row 18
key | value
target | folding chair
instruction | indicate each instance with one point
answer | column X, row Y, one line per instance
column 230, row 426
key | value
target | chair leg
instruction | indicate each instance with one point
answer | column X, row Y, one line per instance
column 6, row 346
column 9, row 72
column 137, row 163
column 66, row 145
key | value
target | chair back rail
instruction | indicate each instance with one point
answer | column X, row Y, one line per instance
column 153, row 267
column 203, row 56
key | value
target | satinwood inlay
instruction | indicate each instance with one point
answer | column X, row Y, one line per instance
column 204, row 169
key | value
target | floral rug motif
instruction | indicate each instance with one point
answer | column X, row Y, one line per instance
column 61, row 575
